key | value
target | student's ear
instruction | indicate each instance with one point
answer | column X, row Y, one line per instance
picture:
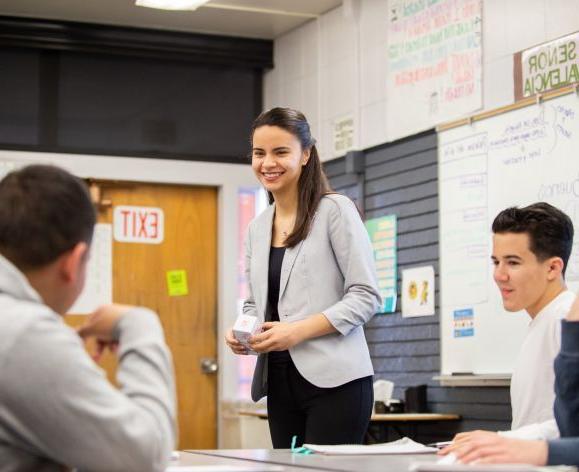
column 555, row 268
column 72, row 262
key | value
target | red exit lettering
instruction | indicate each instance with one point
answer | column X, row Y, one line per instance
column 138, row 224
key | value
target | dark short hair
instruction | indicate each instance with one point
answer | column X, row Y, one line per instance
column 44, row 212
column 550, row 230
column 313, row 183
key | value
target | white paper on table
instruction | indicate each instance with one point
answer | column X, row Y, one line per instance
column 401, row 446
column 98, row 287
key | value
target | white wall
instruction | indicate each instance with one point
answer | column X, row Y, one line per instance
column 228, row 178
column 336, row 65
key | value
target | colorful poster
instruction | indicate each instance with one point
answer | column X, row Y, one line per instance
column 418, row 292
column 463, row 323
column 382, row 233
column 434, row 63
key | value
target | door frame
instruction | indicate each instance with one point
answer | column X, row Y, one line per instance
column 227, row 178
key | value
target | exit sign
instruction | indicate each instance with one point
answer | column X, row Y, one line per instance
column 136, row 224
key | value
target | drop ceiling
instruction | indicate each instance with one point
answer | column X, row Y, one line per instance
column 265, row 19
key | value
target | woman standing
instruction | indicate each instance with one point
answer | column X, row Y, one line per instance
column 312, row 281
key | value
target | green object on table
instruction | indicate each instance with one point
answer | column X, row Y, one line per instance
column 299, row 450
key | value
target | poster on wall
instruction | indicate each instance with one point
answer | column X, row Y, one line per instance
column 417, row 292
column 434, row 63
column 547, row 67
column 382, row 233
column 463, row 323
column 343, row 135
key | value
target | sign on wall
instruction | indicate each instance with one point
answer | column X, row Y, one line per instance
column 434, row 63
column 418, row 291
column 343, row 135
column 136, row 224
column 382, row 233
column 546, row 67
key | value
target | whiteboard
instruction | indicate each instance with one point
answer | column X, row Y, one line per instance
column 516, row 158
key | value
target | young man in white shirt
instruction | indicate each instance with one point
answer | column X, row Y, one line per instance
column 57, row 409
column 482, row 447
column 531, row 248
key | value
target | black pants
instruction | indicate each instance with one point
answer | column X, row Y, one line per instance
column 295, row 407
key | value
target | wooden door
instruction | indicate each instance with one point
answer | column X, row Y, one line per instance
column 190, row 321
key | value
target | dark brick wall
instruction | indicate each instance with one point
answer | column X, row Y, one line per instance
column 401, row 178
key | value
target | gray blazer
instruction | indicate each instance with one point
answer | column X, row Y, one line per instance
column 331, row 272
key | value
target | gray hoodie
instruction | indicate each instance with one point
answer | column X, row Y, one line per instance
column 57, row 408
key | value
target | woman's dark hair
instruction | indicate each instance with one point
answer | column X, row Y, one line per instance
column 313, row 183
column 550, row 230
column 44, row 212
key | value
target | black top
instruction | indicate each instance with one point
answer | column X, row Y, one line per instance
column 276, row 255
column 273, row 278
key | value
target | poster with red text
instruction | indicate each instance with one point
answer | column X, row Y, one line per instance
column 434, row 63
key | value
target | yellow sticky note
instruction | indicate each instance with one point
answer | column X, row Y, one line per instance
column 177, row 283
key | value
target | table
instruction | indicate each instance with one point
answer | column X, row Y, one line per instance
column 380, row 422
column 299, row 462
column 192, row 459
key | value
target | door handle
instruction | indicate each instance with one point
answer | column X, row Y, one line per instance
column 208, row 365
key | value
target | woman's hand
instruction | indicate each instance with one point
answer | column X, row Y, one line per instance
column 276, row 336
column 280, row 336
column 234, row 344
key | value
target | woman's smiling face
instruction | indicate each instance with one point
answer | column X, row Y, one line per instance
column 277, row 158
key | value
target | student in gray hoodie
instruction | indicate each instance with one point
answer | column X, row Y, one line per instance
column 57, row 410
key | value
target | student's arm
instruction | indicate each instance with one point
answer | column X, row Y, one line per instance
column 61, row 403
column 564, row 451
column 483, row 447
